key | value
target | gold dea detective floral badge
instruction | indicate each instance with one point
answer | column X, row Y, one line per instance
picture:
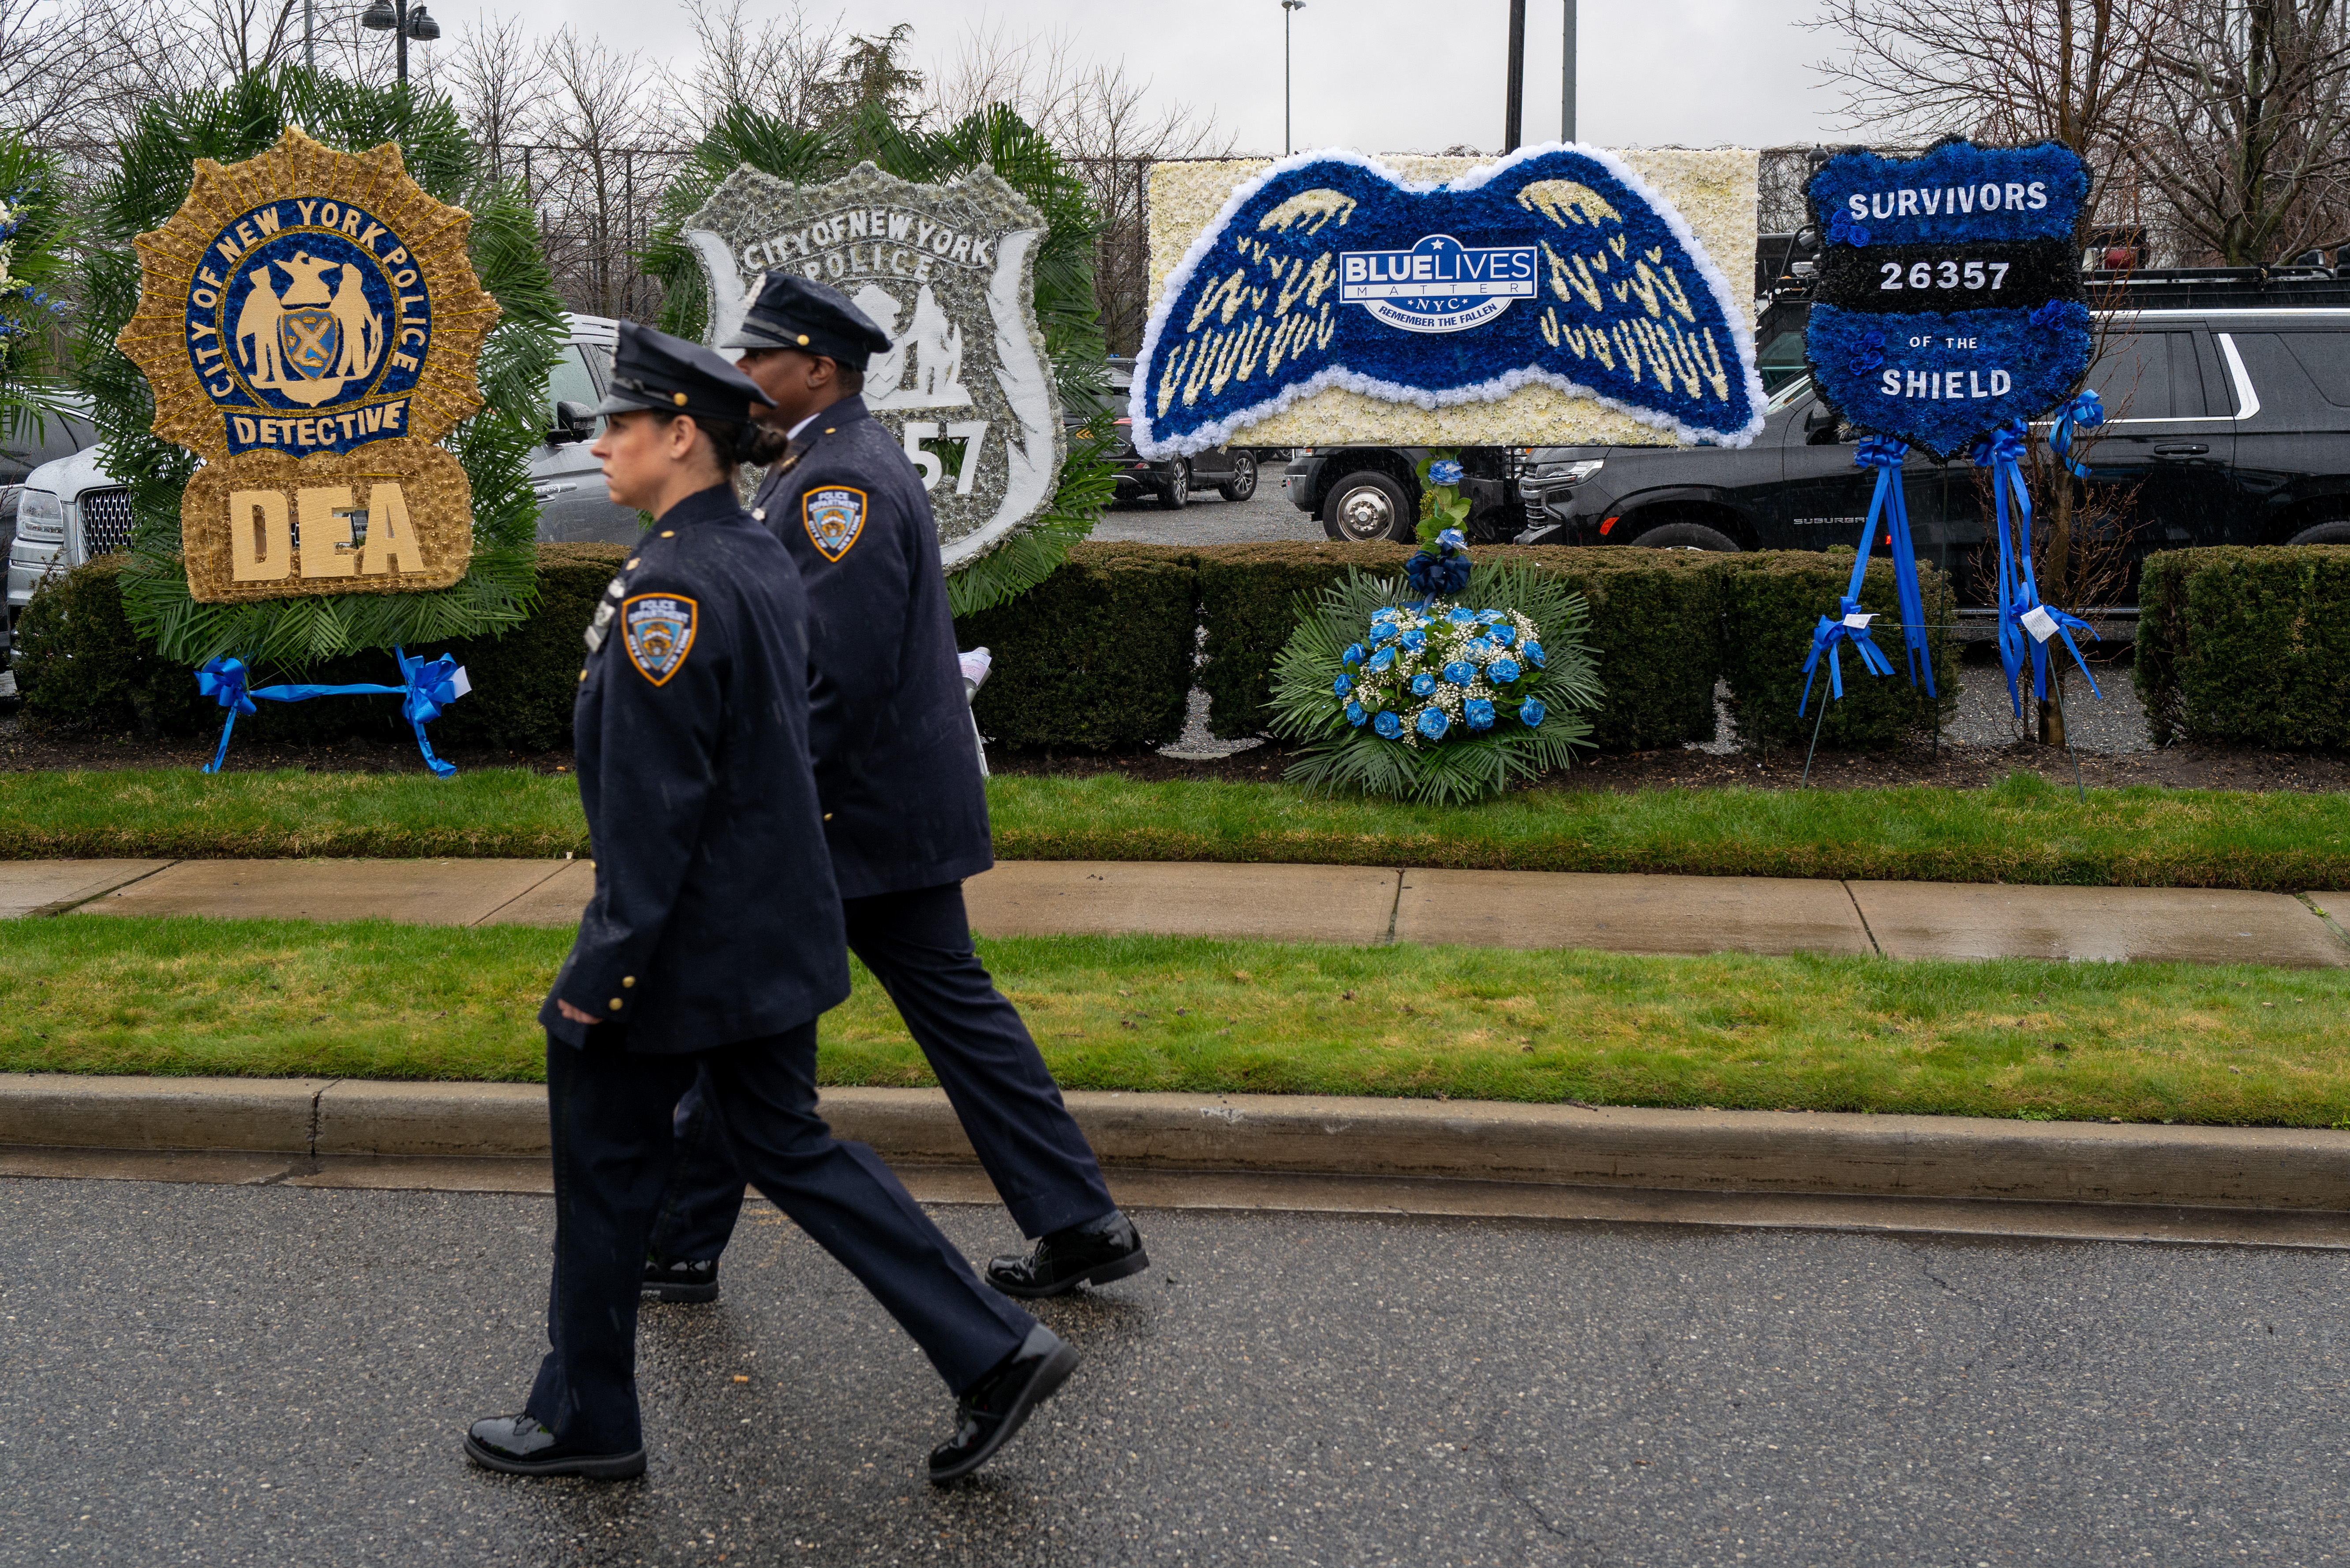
column 309, row 323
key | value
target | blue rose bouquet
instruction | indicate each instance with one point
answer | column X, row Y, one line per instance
column 1443, row 700
column 1442, row 504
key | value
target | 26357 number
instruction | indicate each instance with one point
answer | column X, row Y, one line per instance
column 1942, row 275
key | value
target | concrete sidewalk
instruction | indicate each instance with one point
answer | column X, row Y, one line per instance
column 1363, row 905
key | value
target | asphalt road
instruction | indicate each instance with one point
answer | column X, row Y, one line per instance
column 1209, row 519
column 210, row 1375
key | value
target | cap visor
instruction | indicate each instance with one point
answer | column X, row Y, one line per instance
column 619, row 402
column 750, row 337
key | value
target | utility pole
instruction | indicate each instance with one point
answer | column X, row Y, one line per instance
column 1288, row 143
column 1566, row 81
column 309, row 41
column 1514, row 111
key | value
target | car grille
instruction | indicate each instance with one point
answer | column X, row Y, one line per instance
column 106, row 521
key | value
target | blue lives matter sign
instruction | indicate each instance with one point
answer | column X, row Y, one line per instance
column 1948, row 296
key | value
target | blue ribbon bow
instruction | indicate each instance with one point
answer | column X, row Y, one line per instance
column 1444, row 571
column 1832, row 630
column 2086, row 411
column 1886, row 455
column 429, row 687
column 2001, row 451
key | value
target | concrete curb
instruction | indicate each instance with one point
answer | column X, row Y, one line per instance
column 1937, row 1157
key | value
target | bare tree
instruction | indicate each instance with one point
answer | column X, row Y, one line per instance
column 786, row 66
column 500, row 83
column 2251, row 147
column 613, row 146
column 2072, row 71
column 57, row 61
column 1099, row 117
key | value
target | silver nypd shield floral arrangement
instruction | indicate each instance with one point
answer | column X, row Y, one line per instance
column 1444, row 686
column 948, row 271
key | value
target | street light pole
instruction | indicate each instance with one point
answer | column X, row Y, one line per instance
column 395, row 17
column 1288, row 142
column 1566, row 81
column 1513, row 102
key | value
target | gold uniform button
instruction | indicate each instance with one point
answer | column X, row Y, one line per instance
column 627, row 980
column 827, row 816
column 669, row 533
column 803, row 339
column 828, row 429
column 615, row 1004
column 633, row 563
column 678, row 398
column 583, row 675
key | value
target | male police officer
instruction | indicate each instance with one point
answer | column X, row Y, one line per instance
column 905, row 812
column 712, row 942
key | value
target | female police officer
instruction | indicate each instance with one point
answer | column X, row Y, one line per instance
column 712, row 941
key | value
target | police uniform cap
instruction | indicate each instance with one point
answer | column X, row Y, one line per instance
column 651, row 370
column 795, row 312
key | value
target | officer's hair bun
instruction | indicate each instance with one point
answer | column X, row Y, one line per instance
column 728, row 438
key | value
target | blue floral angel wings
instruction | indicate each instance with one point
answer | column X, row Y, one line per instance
column 1557, row 267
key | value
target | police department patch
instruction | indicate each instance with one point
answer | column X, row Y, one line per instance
column 658, row 630
column 834, row 515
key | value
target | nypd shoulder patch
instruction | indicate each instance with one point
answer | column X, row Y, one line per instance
column 834, row 515
column 658, row 631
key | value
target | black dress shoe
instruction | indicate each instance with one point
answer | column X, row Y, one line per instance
column 681, row 1281
column 1093, row 1253
column 991, row 1409
column 521, row 1446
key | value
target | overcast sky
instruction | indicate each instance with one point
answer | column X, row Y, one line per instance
column 1375, row 75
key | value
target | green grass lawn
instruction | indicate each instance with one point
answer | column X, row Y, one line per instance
column 2024, row 830
column 2011, row 1037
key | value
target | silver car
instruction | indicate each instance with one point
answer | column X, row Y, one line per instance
column 71, row 509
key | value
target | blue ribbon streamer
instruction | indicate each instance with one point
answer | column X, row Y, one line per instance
column 1888, row 506
column 429, row 686
column 2001, row 451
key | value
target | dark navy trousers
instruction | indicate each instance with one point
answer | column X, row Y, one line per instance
column 609, row 1111
column 918, row 945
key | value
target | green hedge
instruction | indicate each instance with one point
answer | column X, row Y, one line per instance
column 80, row 668
column 2249, row 646
column 1101, row 656
column 1770, row 600
column 1097, row 656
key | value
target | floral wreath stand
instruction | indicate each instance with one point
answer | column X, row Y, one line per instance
column 430, row 686
column 2026, row 625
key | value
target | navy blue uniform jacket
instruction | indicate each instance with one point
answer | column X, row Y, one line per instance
column 715, row 918
column 896, row 763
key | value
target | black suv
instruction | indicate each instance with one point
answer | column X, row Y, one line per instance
column 1230, row 473
column 2227, row 423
